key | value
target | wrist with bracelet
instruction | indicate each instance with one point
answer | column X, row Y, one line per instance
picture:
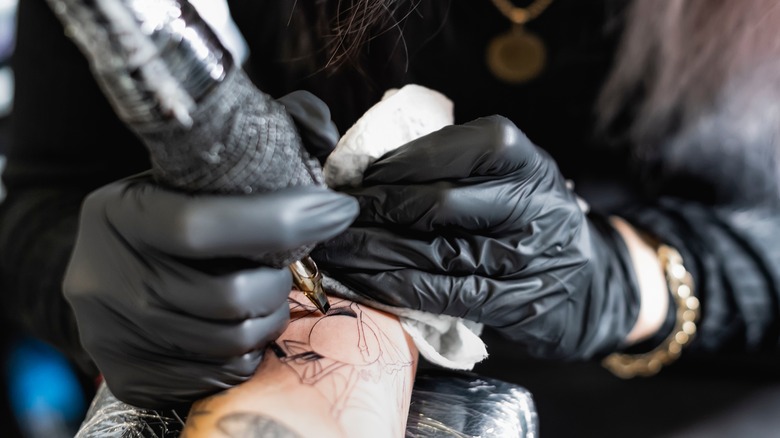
column 680, row 326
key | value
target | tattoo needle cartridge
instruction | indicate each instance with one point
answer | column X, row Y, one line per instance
column 308, row 279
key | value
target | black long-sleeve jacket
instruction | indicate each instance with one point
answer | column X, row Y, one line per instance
column 67, row 142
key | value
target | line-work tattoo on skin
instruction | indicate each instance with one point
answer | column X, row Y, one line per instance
column 363, row 352
column 346, row 374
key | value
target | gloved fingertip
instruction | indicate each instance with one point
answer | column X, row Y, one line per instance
column 337, row 215
column 332, row 199
column 351, row 206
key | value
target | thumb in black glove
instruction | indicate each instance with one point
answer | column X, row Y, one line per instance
column 312, row 118
column 475, row 221
column 169, row 302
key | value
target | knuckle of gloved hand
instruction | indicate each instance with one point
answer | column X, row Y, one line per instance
column 249, row 294
column 501, row 133
column 243, row 367
column 191, row 230
column 241, row 339
column 94, row 204
column 276, row 289
column 254, row 333
column 447, row 203
column 232, row 303
column 509, row 147
column 284, row 227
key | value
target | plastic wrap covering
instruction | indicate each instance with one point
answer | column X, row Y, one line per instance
column 443, row 405
column 466, row 406
column 108, row 417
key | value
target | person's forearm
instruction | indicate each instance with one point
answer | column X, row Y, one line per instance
column 734, row 260
column 650, row 278
column 347, row 373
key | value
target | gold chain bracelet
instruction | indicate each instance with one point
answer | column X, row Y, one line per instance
column 680, row 284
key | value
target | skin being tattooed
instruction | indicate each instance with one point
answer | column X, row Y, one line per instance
column 348, row 373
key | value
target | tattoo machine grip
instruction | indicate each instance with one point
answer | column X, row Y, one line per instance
column 170, row 79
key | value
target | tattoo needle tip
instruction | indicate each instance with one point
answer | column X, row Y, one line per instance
column 307, row 279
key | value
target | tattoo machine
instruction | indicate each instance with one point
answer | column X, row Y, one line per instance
column 207, row 127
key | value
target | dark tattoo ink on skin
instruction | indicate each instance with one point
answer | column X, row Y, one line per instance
column 337, row 356
column 252, row 425
column 203, row 410
column 336, row 372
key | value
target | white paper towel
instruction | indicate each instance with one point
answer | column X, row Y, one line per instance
column 400, row 117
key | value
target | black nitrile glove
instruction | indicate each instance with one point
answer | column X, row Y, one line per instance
column 169, row 303
column 475, row 221
column 312, row 118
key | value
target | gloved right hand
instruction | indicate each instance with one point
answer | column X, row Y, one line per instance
column 169, row 301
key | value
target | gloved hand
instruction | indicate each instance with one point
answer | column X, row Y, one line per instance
column 169, row 303
column 170, row 300
column 475, row 221
column 312, row 118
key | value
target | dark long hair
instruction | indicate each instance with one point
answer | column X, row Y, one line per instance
column 696, row 88
column 338, row 31
column 695, row 82
column 348, row 52
column 353, row 23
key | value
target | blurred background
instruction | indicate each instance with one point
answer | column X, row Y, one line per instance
column 40, row 394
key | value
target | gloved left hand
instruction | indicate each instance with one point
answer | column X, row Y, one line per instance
column 475, row 221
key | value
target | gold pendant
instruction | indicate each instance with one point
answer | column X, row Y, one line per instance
column 516, row 56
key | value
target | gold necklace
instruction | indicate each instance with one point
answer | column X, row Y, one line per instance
column 517, row 55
